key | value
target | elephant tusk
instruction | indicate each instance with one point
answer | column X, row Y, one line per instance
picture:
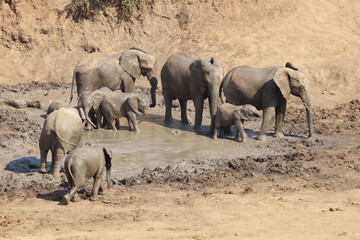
column 307, row 106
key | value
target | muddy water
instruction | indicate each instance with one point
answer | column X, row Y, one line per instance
column 158, row 145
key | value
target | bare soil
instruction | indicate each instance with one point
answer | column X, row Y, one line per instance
column 290, row 188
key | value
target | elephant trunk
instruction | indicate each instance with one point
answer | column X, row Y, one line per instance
column 308, row 105
column 214, row 98
column 153, row 82
column 108, row 178
column 86, row 111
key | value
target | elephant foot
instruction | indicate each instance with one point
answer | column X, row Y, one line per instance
column 261, row 138
column 42, row 170
column 56, row 176
column 243, row 140
column 88, row 128
column 152, row 105
column 66, row 199
column 103, row 192
column 76, row 198
column 278, row 135
column 92, row 198
column 169, row 122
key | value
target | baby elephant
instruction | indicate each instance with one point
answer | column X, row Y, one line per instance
column 118, row 104
column 84, row 163
column 228, row 115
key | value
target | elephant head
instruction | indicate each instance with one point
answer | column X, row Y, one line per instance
column 108, row 157
column 210, row 75
column 137, row 62
column 90, row 100
column 138, row 104
column 291, row 80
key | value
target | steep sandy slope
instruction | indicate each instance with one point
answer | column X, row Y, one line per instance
column 40, row 41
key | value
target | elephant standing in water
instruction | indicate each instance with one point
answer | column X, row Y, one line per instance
column 117, row 71
column 268, row 89
column 186, row 78
column 61, row 133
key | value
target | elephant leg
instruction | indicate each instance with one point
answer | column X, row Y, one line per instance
column 215, row 133
column 199, row 105
column 57, row 155
column 267, row 115
column 279, row 119
column 222, row 132
column 183, row 106
column 95, row 191
column 43, row 160
column 168, row 105
column 117, row 123
column 72, row 194
column 240, row 133
column 102, row 190
column 98, row 119
column 133, row 120
column 131, row 126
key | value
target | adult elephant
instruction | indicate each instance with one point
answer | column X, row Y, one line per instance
column 117, row 71
column 186, row 78
column 61, row 133
column 268, row 89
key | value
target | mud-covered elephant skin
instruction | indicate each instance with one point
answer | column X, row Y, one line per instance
column 90, row 102
column 84, row 163
column 118, row 104
column 228, row 115
column 186, row 78
column 61, row 133
column 117, row 71
column 268, row 89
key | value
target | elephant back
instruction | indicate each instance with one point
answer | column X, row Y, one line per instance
column 68, row 127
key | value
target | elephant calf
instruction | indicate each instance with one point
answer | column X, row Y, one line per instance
column 228, row 115
column 118, row 104
column 84, row 163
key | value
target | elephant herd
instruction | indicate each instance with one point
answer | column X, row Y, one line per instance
column 106, row 85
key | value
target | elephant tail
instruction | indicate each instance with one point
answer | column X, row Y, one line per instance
column 68, row 165
column 63, row 140
column 72, row 87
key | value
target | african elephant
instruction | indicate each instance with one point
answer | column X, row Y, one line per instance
column 61, row 133
column 117, row 71
column 268, row 89
column 118, row 105
column 186, row 78
column 90, row 102
column 228, row 115
column 84, row 163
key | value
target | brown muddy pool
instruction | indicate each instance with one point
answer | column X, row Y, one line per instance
column 159, row 146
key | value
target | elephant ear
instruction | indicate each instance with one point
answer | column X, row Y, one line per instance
column 281, row 78
column 133, row 103
column 129, row 61
column 237, row 114
column 108, row 156
column 97, row 99
column 197, row 69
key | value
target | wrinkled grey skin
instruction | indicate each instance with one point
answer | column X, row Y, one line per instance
column 228, row 115
column 268, row 89
column 187, row 78
column 116, row 105
column 61, row 133
column 90, row 102
column 117, row 71
column 84, row 163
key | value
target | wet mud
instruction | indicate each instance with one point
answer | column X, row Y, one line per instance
column 181, row 157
